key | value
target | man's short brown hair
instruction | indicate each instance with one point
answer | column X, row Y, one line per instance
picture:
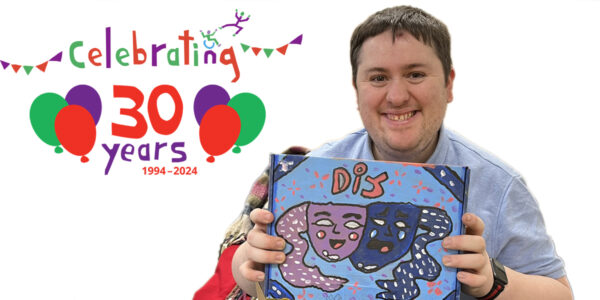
column 423, row 26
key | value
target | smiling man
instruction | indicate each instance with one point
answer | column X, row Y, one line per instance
column 403, row 78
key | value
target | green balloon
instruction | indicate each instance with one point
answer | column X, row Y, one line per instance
column 42, row 115
column 252, row 116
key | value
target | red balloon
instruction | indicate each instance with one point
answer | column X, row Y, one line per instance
column 76, row 130
column 219, row 129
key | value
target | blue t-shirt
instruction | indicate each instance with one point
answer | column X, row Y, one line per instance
column 515, row 233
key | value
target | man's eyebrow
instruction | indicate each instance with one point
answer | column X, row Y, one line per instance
column 405, row 67
column 416, row 65
column 349, row 215
column 376, row 69
column 322, row 213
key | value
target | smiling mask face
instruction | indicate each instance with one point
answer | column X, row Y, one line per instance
column 389, row 231
column 335, row 230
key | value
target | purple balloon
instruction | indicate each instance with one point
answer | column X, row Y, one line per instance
column 208, row 97
column 87, row 97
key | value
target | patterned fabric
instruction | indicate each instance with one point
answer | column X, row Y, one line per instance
column 236, row 233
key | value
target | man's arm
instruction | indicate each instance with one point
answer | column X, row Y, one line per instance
column 477, row 275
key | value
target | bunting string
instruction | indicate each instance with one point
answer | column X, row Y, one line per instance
column 269, row 51
column 29, row 68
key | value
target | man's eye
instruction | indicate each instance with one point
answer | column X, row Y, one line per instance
column 378, row 78
column 324, row 222
column 416, row 75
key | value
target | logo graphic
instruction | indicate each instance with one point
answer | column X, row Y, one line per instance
column 70, row 121
column 225, row 122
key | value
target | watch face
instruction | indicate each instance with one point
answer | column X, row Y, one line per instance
column 499, row 272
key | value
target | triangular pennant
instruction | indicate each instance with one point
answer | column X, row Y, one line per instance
column 42, row 67
column 57, row 57
column 297, row 41
column 16, row 67
column 4, row 64
column 27, row 69
column 268, row 52
column 282, row 49
column 245, row 47
column 256, row 50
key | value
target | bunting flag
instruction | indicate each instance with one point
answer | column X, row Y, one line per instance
column 269, row 51
column 282, row 49
column 29, row 68
column 42, row 67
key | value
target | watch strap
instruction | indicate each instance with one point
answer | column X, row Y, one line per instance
column 500, row 280
column 497, row 288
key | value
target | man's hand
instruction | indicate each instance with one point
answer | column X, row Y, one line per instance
column 476, row 274
column 259, row 249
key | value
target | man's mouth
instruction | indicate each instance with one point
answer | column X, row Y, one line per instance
column 400, row 117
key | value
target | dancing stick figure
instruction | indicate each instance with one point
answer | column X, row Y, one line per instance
column 240, row 18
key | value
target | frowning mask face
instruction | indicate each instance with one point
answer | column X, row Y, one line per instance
column 335, row 230
column 389, row 232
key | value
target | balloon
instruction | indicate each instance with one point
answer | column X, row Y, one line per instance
column 76, row 130
column 87, row 97
column 208, row 97
column 42, row 114
column 219, row 130
column 252, row 115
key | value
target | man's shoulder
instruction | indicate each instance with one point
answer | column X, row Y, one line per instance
column 462, row 151
column 353, row 145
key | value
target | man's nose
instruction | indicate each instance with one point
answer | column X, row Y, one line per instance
column 397, row 92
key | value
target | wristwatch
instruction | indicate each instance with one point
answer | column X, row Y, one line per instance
column 500, row 280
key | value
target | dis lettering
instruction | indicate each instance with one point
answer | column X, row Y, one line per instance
column 342, row 179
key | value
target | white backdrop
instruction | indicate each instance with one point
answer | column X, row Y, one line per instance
column 525, row 89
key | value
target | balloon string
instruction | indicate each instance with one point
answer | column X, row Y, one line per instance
column 210, row 159
column 84, row 159
column 58, row 149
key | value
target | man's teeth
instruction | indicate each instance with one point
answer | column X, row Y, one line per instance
column 401, row 117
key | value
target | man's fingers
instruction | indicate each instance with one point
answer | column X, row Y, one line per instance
column 475, row 262
column 261, row 216
column 265, row 256
column 474, row 281
column 474, row 224
column 467, row 243
column 259, row 239
column 252, row 271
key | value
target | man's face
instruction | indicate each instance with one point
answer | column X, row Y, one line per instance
column 402, row 96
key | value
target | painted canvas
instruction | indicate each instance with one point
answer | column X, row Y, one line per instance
column 360, row 229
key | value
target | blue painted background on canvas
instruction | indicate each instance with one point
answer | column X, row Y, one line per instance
column 363, row 229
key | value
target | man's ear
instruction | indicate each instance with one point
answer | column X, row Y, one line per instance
column 449, row 85
column 355, row 91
